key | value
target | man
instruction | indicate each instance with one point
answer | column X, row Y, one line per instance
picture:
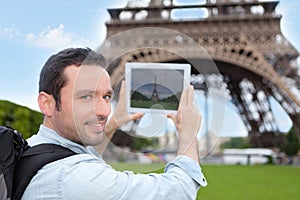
column 74, row 96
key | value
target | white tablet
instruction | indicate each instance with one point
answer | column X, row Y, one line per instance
column 155, row 87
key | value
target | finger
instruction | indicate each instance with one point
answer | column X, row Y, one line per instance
column 183, row 99
column 172, row 116
column 136, row 116
column 122, row 92
column 190, row 99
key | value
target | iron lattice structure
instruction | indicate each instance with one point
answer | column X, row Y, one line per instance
column 244, row 40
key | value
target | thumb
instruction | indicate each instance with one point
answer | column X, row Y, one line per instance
column 172, row 116
column 136, row 116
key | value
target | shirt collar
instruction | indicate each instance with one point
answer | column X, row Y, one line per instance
column 55, row 138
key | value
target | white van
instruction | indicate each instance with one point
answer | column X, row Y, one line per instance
column 248, row 156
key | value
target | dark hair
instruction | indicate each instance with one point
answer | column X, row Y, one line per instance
column 52, row 77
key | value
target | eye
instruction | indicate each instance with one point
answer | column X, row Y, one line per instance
column 107, row 97
column 86, row 97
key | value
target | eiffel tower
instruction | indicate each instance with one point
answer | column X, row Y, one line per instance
column 154, row 96
column 241, row 38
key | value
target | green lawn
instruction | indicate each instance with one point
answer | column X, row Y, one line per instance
column 260, row 182
column 156, row 105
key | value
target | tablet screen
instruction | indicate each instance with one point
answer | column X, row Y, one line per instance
column 155, row 86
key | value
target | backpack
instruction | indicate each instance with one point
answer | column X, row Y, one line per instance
column 19, row 162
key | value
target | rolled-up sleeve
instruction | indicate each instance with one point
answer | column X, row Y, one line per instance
column 190, row 167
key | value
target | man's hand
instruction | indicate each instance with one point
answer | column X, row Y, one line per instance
column 120, row 115
column 187, row 122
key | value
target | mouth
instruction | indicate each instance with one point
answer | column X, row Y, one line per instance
column 96, row 126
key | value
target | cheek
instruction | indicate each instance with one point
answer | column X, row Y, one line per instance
column 80, row 110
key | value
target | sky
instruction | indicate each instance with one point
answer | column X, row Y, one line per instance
column 171, row 80
column 32, row 30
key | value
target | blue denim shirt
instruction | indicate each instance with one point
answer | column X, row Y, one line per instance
column 87, row 176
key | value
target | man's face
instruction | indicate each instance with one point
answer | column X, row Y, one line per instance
column 85, row 105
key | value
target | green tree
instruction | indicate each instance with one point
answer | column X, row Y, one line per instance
column 140, row 143
column 236, row 142
column 292, row 146
column 21, row 118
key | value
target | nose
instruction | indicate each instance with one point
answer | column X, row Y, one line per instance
column 102, row 107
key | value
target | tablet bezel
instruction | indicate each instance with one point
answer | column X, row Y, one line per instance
column 186, row 68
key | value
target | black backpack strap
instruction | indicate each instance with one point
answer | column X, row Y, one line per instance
column 32, row 161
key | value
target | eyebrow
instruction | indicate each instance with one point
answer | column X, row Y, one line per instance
column 85, row 92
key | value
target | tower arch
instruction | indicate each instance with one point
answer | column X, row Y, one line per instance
column 242, row 39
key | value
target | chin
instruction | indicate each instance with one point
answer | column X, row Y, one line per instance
column 92, row 141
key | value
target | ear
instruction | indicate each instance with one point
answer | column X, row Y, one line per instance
column 46, row 103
